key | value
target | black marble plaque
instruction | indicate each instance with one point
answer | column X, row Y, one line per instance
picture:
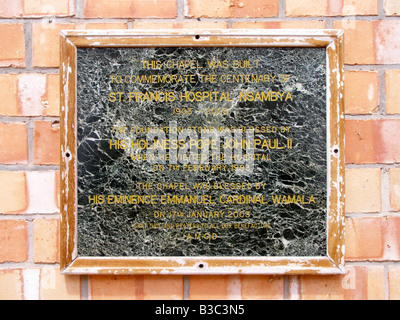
column 198, row 151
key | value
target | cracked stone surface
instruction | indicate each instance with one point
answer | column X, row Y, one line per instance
column 294, row 172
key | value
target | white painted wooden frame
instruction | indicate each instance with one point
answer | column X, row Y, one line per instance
column 331, row 263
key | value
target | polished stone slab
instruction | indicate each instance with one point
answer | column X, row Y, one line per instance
column 294, row 175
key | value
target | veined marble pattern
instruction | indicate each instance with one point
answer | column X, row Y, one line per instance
column 297, row 174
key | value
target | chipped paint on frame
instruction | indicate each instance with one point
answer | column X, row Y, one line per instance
column 332, row 263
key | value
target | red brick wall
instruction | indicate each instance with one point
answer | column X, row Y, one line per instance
column 29, row 143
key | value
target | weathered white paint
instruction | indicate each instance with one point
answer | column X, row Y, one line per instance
column 226, row 265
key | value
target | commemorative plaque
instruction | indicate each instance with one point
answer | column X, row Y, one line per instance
column 202, row 152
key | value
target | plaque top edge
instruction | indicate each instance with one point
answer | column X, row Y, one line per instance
column 205, row 32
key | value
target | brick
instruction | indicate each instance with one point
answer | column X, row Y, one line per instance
column 215, row 288
column 337, row 8
column 311, row 8
column 11, row 8
column 13, row 241
column 154, row 25
column 306, row 24
column 11, row 285
column 392, row 238
column 12, row 45
column 257, row 25
column 136, row 287
column 232, row 8
column 392, row 83
column 360, row 7
column 46, row 143
column 8, row 95
column 208, row 287
column 364, row 283
column 293, row 286
column 180, row 25
column 32, row 94
column 369, row 283
column 306, row 8
column 372, row 141
column 394, row 178
column 45, row 240
column 14, row 143
column 13, row 193
column 130, row 9
column 46, row 43
column 394, row 283
column 300, row 24
column 32, row 192
column 36, row 8
column 31, row 277
column 234, row 287
column 387, row 41
column 254, row 8
column 58, row 189
column 363, row 190
column 29, row 94
column 112, row 287
column 361, row 92
column 373, row 239
column 52, row 98
column 208, row 8
column 364, row 239
column 359, row 283
column 42, row 192
column 152, row 8
column 392, row 7
column 160, row 287
column 54, row 286
column 359, row 41
column 46, row 40
column 49, row 8
column 200, row 25
column 262, row 287
column 100, row 26
column 321, row 288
